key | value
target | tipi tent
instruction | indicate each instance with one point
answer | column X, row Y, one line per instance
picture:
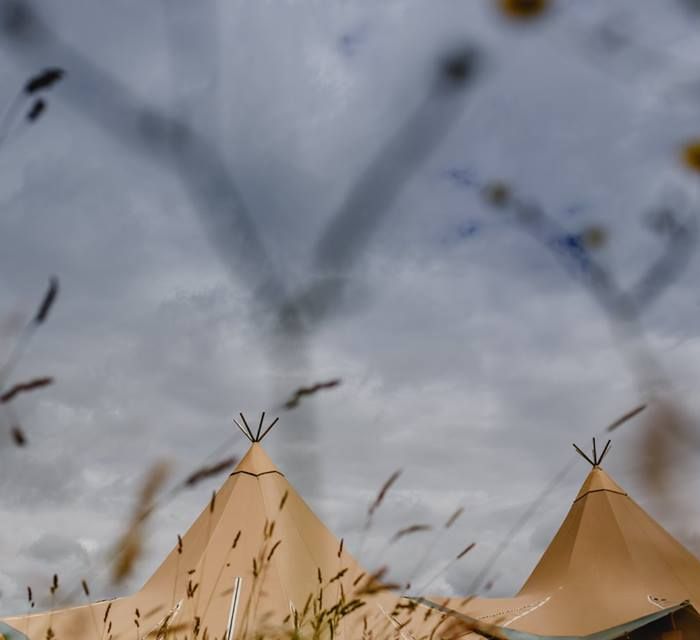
column 256, row 561
column 610, row 572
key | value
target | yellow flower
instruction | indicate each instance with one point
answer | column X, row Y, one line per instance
column 523, row 9
column 691, row 155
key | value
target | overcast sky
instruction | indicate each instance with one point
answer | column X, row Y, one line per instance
column 469, row 357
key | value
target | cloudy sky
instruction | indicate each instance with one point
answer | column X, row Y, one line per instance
column 197, row 173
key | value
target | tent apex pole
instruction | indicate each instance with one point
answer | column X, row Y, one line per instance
column 584, row 456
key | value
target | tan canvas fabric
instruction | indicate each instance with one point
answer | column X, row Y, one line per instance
column 608, row 564
column 261, row 531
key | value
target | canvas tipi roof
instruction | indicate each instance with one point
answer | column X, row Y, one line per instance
column 261, row 532
column 610, row 564
column 256, row 559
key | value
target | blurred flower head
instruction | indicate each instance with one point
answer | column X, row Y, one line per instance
column 523, row 9
column 691, row 155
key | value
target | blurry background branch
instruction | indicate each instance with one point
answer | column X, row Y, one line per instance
column 216, row 196
column 173, row 142
column 623, row 307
